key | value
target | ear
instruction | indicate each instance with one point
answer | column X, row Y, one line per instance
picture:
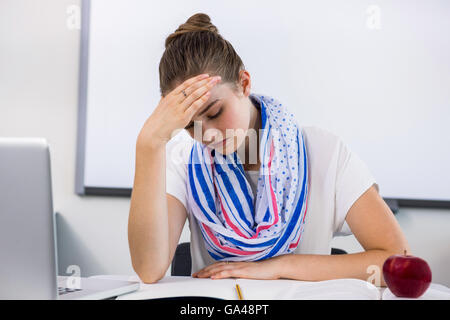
column 245, row 82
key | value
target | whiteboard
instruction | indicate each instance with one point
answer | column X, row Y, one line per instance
column 376, row 73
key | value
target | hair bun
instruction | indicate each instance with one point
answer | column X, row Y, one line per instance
column 197, row 22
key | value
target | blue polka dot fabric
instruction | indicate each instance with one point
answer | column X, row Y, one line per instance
column 235, row 226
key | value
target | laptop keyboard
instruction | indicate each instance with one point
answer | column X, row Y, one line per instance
column 62, row 290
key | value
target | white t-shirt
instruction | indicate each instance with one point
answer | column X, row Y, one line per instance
column 337, row 178
column 252, row 177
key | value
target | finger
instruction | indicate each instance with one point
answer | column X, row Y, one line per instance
column 198, row 92
column 208, row 268
column 240, row 271
column 216, row 269
column 205, row 268
column 202, row 82
column 186, row 84
column 203, row 272
column 196, row 106
column 228, row 273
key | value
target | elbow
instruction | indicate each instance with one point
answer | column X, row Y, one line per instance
column 149, row 275
column 397, row 245
column 401, row 249
column 150, row 278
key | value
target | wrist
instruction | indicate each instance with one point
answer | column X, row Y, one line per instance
column 149, row 153
column 278, row 265
column 150, row 145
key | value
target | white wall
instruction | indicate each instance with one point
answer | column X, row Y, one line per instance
column 39, row 57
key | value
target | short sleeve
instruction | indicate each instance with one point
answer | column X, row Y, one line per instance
column 177, row 153
column 353, row 178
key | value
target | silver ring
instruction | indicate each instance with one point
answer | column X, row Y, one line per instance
column 185, row 95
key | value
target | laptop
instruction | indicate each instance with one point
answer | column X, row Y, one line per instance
column 28, row 263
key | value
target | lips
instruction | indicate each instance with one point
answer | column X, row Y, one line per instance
column 218, row 143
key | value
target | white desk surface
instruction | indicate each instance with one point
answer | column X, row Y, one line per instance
column 283, row 289
column 279, row 286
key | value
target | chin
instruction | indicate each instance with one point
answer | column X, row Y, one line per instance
column 227, row 151
column 229, row 148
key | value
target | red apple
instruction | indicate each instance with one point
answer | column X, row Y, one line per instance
column 406, row 275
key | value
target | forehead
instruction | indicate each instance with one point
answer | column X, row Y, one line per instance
column 219, row 92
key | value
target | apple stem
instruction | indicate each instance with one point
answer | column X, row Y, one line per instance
column 404, row 252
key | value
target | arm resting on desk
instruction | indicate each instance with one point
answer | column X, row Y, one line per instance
column 327, row 267
column 372, row 223
column 374, row 226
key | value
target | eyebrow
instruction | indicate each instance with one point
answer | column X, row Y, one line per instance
column 204, row 110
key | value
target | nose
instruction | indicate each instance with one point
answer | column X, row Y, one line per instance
column 212, row 135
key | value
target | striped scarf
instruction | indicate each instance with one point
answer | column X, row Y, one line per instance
column 234, row 226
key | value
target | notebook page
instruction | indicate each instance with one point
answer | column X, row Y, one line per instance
column 185, row 286
column 340, row 289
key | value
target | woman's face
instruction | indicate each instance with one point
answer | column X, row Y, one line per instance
column 227, row 119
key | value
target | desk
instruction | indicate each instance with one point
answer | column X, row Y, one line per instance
column 284, row 289
column 225, row 288
column 339, row 289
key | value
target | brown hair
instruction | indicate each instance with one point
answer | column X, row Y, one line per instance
column 196, row 47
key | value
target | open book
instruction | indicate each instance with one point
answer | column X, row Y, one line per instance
column 339, row 289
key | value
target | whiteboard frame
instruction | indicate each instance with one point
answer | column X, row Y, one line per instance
column 83, row 190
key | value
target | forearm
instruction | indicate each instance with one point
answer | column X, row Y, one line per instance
column 148, row 228
column 310, row 267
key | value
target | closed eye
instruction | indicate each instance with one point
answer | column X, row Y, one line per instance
column 216, row 115
column 191, row 125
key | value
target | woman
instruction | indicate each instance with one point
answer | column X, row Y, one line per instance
column 264, row 196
